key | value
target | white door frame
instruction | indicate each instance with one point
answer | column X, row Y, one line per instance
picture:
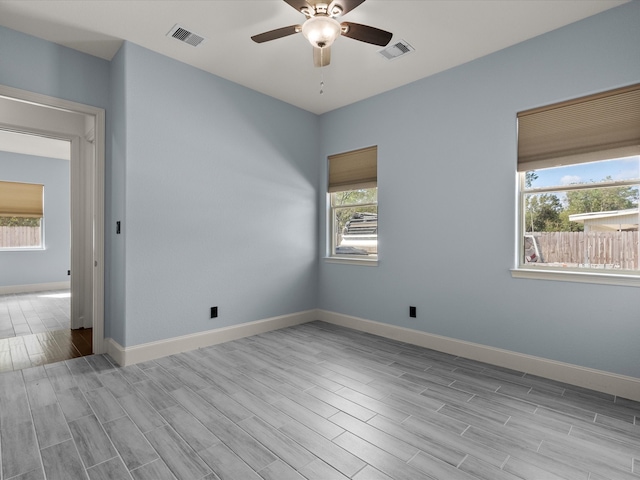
column 95, row 191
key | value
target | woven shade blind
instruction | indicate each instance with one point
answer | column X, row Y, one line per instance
column 597, row 127
column 353, row 170
column 21, row 200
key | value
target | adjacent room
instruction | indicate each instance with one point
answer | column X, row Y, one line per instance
column 229, row 166
column 35, row 297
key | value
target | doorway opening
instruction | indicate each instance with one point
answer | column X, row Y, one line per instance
column 35, row 245
column 81, row 127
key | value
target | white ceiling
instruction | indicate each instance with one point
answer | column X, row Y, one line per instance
column 444, row 33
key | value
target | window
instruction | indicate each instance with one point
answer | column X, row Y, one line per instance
column 353, row 195
column 21, row 215
column 579, row 184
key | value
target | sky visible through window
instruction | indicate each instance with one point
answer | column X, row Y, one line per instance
column 619, row 169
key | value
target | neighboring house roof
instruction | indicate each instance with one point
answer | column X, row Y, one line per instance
column 608, row 221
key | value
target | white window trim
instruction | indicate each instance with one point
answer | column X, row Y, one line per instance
column 625, row 280
column 367, row 262
column 23, row 249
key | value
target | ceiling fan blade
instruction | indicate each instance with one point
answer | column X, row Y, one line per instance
column 277, row 33
column 367, row 34
column 321, row 56
column 346, row 5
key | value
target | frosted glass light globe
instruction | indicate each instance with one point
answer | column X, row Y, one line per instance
column 321, row 31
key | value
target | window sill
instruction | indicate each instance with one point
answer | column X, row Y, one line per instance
column 352, row 261
column 579, row 277
column 23, row 249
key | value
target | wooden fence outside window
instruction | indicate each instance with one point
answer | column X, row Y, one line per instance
column 617, row 250
column 16, row 237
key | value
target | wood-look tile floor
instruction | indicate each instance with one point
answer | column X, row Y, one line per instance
column 26, row 351
column 35, row 312
column 35, row 330
column 313, row 401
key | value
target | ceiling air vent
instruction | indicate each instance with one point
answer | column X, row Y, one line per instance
column 185, row 35
column 396, row 50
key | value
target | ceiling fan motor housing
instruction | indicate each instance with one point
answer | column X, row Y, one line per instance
column 322, row 9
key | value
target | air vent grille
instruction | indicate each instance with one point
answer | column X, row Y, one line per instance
column 397, row 50
column 186, row 36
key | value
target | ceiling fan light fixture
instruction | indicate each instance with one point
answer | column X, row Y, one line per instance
column 321, row 31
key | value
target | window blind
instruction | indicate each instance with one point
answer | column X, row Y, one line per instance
column 21, row 200
column 353, row 170
column 596, row 127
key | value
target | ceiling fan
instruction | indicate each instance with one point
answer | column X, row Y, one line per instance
column 321, row 27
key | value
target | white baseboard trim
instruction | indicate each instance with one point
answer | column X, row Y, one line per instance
column 150, row 351
column 611, row 383
column 36, row 287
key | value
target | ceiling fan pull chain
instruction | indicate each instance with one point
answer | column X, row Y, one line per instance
column 321, row 71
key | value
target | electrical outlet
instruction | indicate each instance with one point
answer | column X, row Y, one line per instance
column 214, row 312
column 412, row 312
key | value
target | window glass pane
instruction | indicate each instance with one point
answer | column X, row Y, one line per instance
column 593, row 227
column 584, row 173
column 566, row 210
column 355, row 197
column 356, row 230
column 355, row 222
column 20, row 232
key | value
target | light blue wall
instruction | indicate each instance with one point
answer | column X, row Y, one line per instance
column 446, row 177
column 50, row 265
column 220, row 200
column 115, row 181
column 32, row 64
